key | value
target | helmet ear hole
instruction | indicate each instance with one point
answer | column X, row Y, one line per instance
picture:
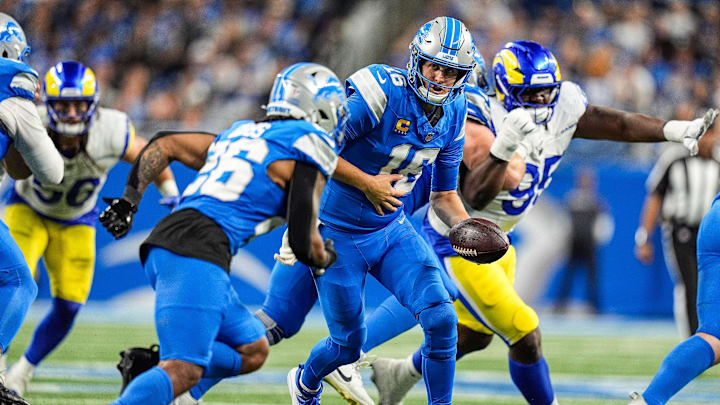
column 5, row 54
column 323, row 115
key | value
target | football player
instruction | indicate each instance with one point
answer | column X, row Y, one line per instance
column 251, row 177
column 57, row 222
column 535, row 115
column 25, row 149
column 400, row 121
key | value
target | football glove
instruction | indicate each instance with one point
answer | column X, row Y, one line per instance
column 689, row 132
column 117, row 217
column 285, row 255
column 516, row 125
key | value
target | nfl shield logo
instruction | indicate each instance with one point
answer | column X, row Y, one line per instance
column 429, row 137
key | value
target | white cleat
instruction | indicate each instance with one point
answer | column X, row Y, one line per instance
column 347, row 381
column 185, row 399
column 3, row 368
column 637, row 399
column 19, row 376
column 393, row 379
column 298, row 394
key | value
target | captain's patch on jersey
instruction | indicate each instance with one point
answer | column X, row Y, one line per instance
column 402, row 126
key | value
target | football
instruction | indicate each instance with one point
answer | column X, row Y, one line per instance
column 479, row 240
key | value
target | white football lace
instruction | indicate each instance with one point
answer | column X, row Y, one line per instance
column 464, row 251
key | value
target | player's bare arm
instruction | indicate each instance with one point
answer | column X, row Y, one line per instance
column 648, row 220
column 488, row 175
column 616, row 125
column 164, row 180
column 378, row 189
column 448, row 207
column 188, row 148
column 15, row 165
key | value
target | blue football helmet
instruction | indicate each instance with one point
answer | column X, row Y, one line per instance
column 446, row 42
column 68, row 81
column 525, row 65
column 481, row 76
column 13, row 43
column 313, row 93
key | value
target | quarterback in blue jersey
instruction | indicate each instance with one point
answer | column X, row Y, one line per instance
column 251, row 178
column 25, row 149
column 400, row 121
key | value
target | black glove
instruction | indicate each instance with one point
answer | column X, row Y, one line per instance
column 331, row 257
column 117, row 217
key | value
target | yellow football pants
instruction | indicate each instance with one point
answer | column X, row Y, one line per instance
column 68, row 250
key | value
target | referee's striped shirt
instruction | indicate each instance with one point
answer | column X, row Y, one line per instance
column 687, row 185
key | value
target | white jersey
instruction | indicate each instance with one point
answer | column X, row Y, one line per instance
column 542, row 150
column 74, row 200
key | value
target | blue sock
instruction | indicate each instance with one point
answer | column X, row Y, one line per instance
column 533, row 381
column 224, row 362
column 685, row 362
column 152, row 387
column 441, row 372
column 52, row 330
column 325, row 357
column 388, row 320
column 18, row 291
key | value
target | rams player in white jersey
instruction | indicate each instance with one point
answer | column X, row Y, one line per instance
column 57, row 222
column 535, row 115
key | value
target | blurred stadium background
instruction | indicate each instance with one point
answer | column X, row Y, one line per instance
column 202, row 64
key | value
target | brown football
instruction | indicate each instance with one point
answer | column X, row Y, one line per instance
column 479, row 240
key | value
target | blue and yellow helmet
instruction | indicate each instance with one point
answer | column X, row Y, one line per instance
column 524, row 65
column 65, row 81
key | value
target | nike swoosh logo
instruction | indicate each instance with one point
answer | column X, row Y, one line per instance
column 343, row 376
column 380, row 79
column 402, row 220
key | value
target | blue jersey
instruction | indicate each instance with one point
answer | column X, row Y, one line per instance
column 9, row 87
column 388, row 132
column 233, row 187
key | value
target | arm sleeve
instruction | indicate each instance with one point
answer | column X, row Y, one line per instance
column 299, row 211
column 20, row 118
column 447, row 165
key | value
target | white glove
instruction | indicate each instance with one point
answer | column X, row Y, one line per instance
column 689, row 132
column 285, row 255
column 516, row 125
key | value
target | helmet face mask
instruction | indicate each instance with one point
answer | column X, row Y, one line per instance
column 446, row 42
column 13, row 43
column 313, row 93
column 71, row 95
column 527, row 76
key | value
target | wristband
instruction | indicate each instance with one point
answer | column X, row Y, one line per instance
column 641, row 237
column 168, row 188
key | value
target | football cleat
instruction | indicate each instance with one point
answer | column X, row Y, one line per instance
column 8, row 397
column 636, row 399
column 185, row 399
column 299, row 395
column 347, row 381
column 135, row 361
column 19, row 375
column 393, row 379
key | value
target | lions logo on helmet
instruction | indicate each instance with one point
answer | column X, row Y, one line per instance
column 523, row 69
column 447, row 42
column 71, row 95
column 13, row 44
column 313, row 93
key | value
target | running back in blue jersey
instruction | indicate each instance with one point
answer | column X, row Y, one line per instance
column 388, row 132
column 234, row 176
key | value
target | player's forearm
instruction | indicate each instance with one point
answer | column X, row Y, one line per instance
column 153, row 160
column 616, row 125
column 448, row 207
column 349, row 173
column 650, row 213
column 166, row 185
column 484, row 182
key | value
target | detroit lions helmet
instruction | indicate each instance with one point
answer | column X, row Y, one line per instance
column 13, row 43
column 447, row 42
column 481, row 76
column 313, row 93
column 70, row 81
column 524, row 66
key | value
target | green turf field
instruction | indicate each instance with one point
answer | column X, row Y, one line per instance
column 586, row 369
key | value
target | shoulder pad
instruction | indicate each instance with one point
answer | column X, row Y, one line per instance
column 572, row 98
column 321, row 151
column 374, row 83
column 114, row 127
column 478, row 106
